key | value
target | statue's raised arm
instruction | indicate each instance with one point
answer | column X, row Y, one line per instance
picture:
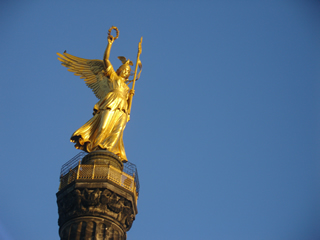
column 110, row 42
column 105, row 129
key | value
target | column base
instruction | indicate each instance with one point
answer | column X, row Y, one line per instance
column 103, row 157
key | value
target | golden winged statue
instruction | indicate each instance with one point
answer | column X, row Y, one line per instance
column 112, row 112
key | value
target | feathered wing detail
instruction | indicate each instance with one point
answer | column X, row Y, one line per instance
column 125, row 61
column 122, row 59
column 92, row 71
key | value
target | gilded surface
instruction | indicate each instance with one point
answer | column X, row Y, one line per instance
column 111, row 113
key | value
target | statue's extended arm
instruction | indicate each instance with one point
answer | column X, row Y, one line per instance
column 107, row 52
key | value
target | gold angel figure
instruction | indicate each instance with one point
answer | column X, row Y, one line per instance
column 111, row 113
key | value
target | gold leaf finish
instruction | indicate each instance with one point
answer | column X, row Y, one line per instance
column 111, row 113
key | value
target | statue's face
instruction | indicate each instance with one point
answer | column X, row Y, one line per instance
column 125, row 73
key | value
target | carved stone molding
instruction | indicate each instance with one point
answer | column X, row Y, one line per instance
column 96, row 202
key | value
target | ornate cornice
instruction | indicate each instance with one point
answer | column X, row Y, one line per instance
column 96, row 202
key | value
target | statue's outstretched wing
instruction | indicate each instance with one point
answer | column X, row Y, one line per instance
column 90, row 70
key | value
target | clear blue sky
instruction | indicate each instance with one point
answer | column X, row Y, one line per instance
column 225, row 121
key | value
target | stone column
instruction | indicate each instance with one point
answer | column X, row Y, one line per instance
column 96, row 209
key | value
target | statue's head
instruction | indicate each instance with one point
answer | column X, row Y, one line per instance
column 124, row 71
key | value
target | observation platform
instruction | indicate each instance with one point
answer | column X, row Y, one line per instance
column 97, row 197
column 124, row 174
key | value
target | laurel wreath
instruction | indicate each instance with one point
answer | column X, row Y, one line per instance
column 117, row 31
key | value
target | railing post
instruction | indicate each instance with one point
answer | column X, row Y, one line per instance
column 79, row 165
column 94, row 167
column 69, row 176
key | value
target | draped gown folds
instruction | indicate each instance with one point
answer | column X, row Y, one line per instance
column 105, row 129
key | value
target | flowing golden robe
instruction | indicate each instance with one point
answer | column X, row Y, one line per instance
column 111, row 114
column 105, row 129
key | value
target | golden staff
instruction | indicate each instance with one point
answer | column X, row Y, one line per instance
column 131, row 92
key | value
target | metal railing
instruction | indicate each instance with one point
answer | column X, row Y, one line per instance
column 94, row 172
column 74, row 170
